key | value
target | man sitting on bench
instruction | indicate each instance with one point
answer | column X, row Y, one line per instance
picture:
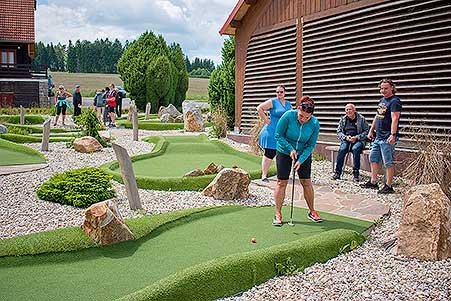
column 352, row 131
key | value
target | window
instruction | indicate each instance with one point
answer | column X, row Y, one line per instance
column 7, row 57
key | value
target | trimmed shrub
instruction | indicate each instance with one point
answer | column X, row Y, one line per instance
column 240, row 272
column 32, row 139
column 29, row 119
column 79, row 187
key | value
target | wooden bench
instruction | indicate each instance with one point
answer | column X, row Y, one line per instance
column 334, row 152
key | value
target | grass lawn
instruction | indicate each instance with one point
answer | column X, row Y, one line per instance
column 16, row 154
column 110, row 272
column 90, row 82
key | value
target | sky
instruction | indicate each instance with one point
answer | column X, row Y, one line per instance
column 194, row 24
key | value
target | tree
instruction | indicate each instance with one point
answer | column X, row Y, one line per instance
column 181, row 80
column 135, row 59
column 159, row 81
column 221, row 88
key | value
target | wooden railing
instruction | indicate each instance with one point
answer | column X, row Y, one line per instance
column 23, row 71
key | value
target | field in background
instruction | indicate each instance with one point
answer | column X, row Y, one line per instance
column 90, row 82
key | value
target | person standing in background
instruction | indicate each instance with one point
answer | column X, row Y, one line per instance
column 77, row 100
column 276, row 108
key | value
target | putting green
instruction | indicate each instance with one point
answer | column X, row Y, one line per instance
column 174, row 156
column 16, row 154
column 115, row 271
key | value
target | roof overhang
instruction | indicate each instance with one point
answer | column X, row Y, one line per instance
column 235, row 17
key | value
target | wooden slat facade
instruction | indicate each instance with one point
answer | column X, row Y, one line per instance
column 339, row 50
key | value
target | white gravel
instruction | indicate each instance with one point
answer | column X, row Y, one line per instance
column 367, row 273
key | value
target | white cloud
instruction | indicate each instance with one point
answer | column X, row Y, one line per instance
column 193, row 24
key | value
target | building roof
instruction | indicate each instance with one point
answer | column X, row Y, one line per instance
column 17, row 20
column 235, row 17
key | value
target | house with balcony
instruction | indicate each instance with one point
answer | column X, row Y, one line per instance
column 20, row 82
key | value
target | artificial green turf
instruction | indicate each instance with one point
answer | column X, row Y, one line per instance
column 114, row 271
column 16, row 154
column 184, row 154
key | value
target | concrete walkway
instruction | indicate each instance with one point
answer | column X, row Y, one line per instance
column 334, row 201
column 10, row 169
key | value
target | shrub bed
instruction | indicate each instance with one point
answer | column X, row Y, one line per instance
column 79, row 187
column 29, row 119
column 33, row 139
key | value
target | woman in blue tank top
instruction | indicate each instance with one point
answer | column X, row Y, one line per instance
column 276, row 108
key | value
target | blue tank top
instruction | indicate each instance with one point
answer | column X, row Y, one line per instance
column 267, row 135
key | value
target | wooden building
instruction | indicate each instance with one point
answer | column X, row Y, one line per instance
column 20, row 84
column 336, row 51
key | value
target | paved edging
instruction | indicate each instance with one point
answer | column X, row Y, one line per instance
column 10, row 169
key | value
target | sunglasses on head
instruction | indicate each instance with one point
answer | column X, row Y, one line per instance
column 307, row 107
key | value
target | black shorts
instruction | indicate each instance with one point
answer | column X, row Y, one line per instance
column 283, row 163
column 110, row 109
column 60, row 109
column 269, row 153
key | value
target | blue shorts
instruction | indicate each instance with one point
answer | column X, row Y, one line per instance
column 382, row 151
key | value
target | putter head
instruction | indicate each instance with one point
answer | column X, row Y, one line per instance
column 290, row 223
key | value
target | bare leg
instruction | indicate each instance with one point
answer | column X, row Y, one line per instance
column 266, row 163
column 390, row 171
column 279, row 196
column 309, row 195
column 56, row 119
column 113, row 118
column 374, row 172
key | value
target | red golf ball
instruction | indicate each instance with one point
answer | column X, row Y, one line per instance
column 253, row 240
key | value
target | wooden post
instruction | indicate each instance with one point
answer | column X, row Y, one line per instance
column 148, row 107
column 128, row 176
column 135, row 123
column 46, row 135
column 22, row 115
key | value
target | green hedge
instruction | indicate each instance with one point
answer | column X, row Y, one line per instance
column 32, row 139
column 20, row 148
column 73, row 238
column 178, row 183
column 38, row 130
column 29, row 119
column 79, row 187
column 235, row 273
column 156, row 125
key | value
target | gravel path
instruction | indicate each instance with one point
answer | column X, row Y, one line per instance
column 367, row 273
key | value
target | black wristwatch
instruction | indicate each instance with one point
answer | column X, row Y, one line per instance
column 393, row 134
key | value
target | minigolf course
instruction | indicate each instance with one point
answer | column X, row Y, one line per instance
column 173, row 156
column 15, row 154
column 195, row 254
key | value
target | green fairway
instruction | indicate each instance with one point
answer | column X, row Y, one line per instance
column 114, row 271
column 185, row 153
column 173, row 156
column 16, row 154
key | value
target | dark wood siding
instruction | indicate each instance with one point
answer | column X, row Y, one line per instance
column 345, row 56
column 270, row 61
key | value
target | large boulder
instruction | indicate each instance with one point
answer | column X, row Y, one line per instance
column 3, row 129
column 87, row 144
column 229, row 184
column 425, row 228
column 165, row 118
column 192, row 116
column 171, row 110
column 104, row 224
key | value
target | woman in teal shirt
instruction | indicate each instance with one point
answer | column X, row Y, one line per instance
column 276, row 108
column 296, row 135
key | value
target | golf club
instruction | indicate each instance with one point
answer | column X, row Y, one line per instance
column 290, row 223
